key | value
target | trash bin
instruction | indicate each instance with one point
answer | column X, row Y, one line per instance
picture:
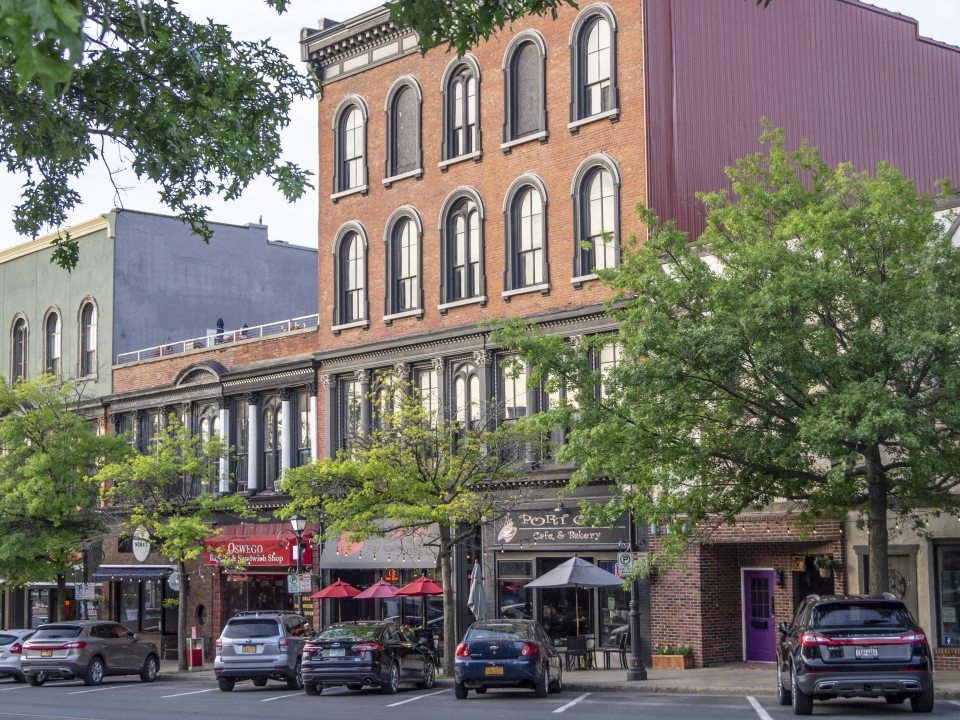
column 195, row 653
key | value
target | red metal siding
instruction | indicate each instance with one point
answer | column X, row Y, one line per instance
column 853, row 80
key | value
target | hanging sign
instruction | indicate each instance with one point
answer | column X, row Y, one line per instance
column 141, row 544
column 392, row 576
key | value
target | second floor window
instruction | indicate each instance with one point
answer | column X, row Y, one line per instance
column 272, row 442
column 596, row 202
column 351, row 410
column 428, row 391
column 18, row 369
column 404, row 266
column 463, row 252
column 351, row 301
column 88, row 340
column 303, row 428
column 466, row 395
column 526, row 235
column 51, row 346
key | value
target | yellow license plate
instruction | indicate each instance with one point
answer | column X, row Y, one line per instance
column 249, row 649
column 46, row 653
column 493, row 670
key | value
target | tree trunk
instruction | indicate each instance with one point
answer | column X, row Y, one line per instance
column 182, row 617
column 58, row 611
column 879, row 581
column 449, row 620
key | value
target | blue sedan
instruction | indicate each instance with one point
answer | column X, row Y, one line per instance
column 506, row 653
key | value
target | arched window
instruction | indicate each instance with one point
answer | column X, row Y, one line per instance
column 404, row 153
column 403, row 263
column 351, row 277
column 466, row 395
column 18, row 366
column 271, row 442
column 350, row 147
column 461, row 109
column 88, row 339
column 52, row 332
column 525, row 224
column 524, row 72
column 596, row 207
column 593, row 63
column 462, row 244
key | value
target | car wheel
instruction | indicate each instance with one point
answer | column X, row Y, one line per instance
column 783, row 695
column 354, row 686
column 428, row 676
column 296, row 682
column 460, row 691
column 543, row 683
column 19, row 678
column 35, row 680
column 922, row 702
column 557, row 685
column 312, row 688
column 259, row 682
column 226, row 684
column 802, row 703
column 148, row 673
column 392, row 684
column 894, row 699
column 94, row 674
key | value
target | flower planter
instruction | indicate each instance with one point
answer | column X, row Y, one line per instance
column 672, row 662
column 826, row 572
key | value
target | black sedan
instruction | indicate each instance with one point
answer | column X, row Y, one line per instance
column 362, row 654
column 506, row 653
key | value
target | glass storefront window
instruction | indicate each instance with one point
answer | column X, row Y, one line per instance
column 141, row 606
column 39, row 607
column 512, row 597
column 564, row 611
column 948, row 594
column 614, row 610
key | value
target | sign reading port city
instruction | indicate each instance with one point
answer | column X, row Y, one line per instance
column 255, row 550
column 526, row 529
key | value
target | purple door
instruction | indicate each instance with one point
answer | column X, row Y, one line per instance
column 760, row 634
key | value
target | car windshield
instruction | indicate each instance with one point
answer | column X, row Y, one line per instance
column 239, row 629
column 57, row 632
column 350, row 632
column 846, row 614
column 498, row 632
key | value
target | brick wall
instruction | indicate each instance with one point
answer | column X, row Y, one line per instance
column 945, row 658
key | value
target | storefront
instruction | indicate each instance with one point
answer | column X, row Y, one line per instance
column 136, row 595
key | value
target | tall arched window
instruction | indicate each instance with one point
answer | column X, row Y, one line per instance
column 404, row 153
column 466, row 395
column 18, row 366
column 350, row 146
column 351, row 277
column 524, row 73
column 271, row 442
column 461, row 230
column 88, row 339
column 593, row 63
column 403, row 263
column 461, row 109
column 525, row 224
column 52, row 332
column 596, row 207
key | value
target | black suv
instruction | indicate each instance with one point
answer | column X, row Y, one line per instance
column 856, row 646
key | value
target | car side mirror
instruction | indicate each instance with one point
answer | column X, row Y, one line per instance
column 782, row 627
column 132, row 636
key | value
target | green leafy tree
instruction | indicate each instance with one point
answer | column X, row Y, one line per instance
column 416, row 469
column 48, row 499
column 818, row 361
column 170, row 492
column 190, row 108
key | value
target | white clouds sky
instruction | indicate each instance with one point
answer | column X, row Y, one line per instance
column 297, row 223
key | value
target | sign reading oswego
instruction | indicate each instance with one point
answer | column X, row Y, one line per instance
column 254, row 550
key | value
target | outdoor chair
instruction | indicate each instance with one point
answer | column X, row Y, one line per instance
column 579, row 657
column 620, row 650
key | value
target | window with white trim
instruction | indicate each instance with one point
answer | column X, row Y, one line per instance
column 18, row 367
column 88, row 339
column 52, row 334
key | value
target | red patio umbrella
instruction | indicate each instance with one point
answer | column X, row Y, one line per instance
column 421, row 587
column 378, row 591
column 338, row 591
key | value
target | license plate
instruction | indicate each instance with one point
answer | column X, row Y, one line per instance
column 493, row 670
column 336, row 652
column 249, row 649
column 46, row 653
column 866, row 652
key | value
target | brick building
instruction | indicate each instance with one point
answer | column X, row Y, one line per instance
column 454, row 190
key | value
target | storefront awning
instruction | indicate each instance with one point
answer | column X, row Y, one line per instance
column 398, row 549
column 106, row 573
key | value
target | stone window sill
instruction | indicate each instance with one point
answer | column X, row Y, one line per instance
column 387, row 182
column 541, row 288
column 352, row 191
column 350, row 325
column 581, row 279
column 508, row 146
column 443, row 307
column 406, row 313
column 475, row 155
column 613, row 114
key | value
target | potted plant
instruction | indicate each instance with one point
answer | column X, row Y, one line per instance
column 826, row 564
column 672, row 656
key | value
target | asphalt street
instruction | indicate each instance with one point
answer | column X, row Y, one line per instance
column 126, row 699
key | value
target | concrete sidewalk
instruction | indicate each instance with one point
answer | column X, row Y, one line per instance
column 732, row 679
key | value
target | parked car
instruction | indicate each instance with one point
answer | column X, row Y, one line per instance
column 506, row 653
column 856, row 646
column 260, row 646
column 366, row 653
column 87, row 649
column 11, row 651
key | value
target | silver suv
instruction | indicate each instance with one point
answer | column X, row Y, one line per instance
column 261, row 645
column 87, row 649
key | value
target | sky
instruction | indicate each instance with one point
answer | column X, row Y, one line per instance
column 260, row 203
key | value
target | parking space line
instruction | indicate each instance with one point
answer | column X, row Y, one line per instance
column 18, row 687
column 103, row 689
column 281, row 697
column 764, row 715
column 564, row 708
column 418, row 697
column 955, row 702
column 47, row 717
column 193, row 692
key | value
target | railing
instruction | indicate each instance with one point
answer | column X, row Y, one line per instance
column 219, row 338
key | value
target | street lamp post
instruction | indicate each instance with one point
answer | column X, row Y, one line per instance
column 298, row 524
column 635, row 668
column 85, row 546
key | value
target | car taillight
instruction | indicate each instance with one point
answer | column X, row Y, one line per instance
column 284, row 643
column 16, row 649
column 219, row 645
column 811, row 638
column 917, row 637
column 367, row 647
column 463, row 650
column 528, row 649
column 76, row 645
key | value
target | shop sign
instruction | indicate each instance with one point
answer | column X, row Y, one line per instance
column 299, row 584
column 141, row 544
column 392, row 576
column 254, row 550
column 528, row 528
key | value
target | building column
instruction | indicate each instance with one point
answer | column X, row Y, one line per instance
column 312, row 412
column 366, row 424
column 223, row 430
column 330, row 414
column 253, row 442
column 286, row 430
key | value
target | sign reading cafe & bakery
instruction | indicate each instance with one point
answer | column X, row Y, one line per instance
column 246, row 550
column 527, row 528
